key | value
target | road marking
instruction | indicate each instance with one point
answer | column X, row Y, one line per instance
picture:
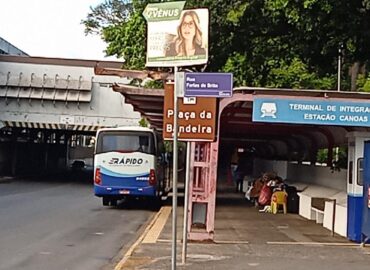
column 231, row 242
column 215, row 242
column 170, row 241
column 153, row 234
column 129, row 252
column 314, row 244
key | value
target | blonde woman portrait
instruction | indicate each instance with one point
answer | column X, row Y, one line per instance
column 188, row 41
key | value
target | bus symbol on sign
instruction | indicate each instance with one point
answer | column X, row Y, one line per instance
column 268, row 109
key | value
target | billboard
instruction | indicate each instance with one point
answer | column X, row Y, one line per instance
column 176, row 37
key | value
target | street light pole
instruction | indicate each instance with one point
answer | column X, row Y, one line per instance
column 174, row 171
column 340, row 51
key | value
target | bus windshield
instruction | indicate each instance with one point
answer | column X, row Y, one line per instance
column 125, row 141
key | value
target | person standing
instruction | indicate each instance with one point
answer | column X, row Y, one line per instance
column 244, row 168
column 234, row 164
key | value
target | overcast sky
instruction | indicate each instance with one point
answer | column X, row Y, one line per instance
column 50, row 28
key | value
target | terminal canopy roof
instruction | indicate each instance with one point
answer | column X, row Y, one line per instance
column 270, row 140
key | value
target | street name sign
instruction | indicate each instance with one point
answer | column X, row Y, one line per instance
column 206, row 84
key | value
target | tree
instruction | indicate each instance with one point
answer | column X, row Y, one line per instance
column 122, row 27
column 279, row 43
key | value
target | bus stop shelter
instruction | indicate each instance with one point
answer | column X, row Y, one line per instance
column 298, row 142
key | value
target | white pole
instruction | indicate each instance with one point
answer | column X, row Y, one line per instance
column 186, row 204
column 175, row 165
column 339, row 65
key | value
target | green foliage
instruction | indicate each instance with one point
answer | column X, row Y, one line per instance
column 126, row 43
column 236, row 14
column 296, row 75
column 236, row 65
column 154, row 84
column 366, row 87
column 168, row 146
column 322, row 156
column 143, row 122
column 110, row 12
column 121, row 25
column 147, row 83
column 363, row 83
column 276, row 43
column 340, row 158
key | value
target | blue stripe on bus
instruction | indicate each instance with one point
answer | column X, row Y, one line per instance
column 113, row 185
column 116, row 191
column 121, row 181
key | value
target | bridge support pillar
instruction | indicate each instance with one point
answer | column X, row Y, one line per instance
column 14, row 159
column 14, row 155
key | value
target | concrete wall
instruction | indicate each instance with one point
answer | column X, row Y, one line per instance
column 315, row 181
column 317, row 175
column 340, row 220
column 299, row 173
column 261, row 166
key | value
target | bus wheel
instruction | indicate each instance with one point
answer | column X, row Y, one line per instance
column 109, row 202
column 106, row 201
column 155, row 203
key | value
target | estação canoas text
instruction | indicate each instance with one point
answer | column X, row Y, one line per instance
column 332, row 117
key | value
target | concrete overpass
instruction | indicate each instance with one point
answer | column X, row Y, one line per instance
column 48, row 101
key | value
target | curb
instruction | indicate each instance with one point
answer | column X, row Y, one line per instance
column 129, row 252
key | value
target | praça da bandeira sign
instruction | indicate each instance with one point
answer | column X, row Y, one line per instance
column 311, row 111
column 196, row 118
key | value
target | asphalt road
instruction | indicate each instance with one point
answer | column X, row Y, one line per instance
column 59, row 224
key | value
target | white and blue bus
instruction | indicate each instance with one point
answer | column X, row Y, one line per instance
column 129, row 162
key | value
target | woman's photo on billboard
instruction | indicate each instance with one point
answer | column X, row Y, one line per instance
column 189, row 39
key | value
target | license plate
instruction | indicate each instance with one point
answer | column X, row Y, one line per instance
column 124, row 192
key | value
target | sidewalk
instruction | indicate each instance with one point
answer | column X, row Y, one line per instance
column 247, row 239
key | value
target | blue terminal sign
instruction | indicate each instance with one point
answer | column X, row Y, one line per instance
column 198, row 84
column 321, row 112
